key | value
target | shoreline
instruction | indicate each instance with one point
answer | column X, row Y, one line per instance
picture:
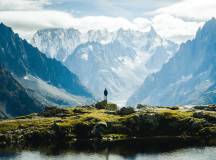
column 90, row 124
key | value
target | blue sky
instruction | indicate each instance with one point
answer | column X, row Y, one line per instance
column 176, row 20
column 124, row 8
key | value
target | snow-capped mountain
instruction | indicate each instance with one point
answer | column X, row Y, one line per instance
column 104, row 66
column 118, row 60
column 102, row 36
column 57, row 42
column 188, row 78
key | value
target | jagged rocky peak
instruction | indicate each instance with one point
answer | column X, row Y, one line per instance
column 57, row 33
column 129, row 33
column 116, row 58
column 103, row 36
column 152, row 32
column 136, row 33
column 57, row 42
column 207, row 31
column 3, row 27
column 60, row 43
column 188, row 78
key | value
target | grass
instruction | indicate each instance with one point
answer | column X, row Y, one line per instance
column 38, row 122
column 42, row 125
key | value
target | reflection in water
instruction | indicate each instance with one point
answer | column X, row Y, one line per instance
column 125, row 150
column 207, row 153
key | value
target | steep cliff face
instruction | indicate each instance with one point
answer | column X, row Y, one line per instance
column 22, row 59
column 14, row 100
column 188, row 78
column 57, row 42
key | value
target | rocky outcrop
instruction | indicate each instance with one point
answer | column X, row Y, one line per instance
column 89, row 123
column 188, row 77
column 206, row 107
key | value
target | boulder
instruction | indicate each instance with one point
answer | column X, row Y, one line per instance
column 125, row 111
column 207, row 116
column 99, row 129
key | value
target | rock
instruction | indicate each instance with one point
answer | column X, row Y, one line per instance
column 211, row 107
column 147, row 123
column 58, row 121
column 145, row 107
column 206, row 116
column 125, row 111
column 54, row 112
column 99, row 129
column 96, row 124
column 101, row 105
column 83, row 130
column 198, row 115
column 79, row 111
column 139, row 106
column 152, row 120
column 111, row 107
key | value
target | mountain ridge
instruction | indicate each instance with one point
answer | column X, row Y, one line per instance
column 14, row 99
column 21, row 58
column 188, row 77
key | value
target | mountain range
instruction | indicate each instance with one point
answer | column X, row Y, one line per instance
column 188, row 78
column 118, row 60
column 72, row 68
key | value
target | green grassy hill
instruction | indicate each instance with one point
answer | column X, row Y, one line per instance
column 89, row 123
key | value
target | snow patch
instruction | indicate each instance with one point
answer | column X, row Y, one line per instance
column 90, row 48
column 84, row 56
column 26, row 77
column 45, row 92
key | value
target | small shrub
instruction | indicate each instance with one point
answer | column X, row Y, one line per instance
column 111, row 107
column 101, row 105
column 125, row 111
column 174, row 108
column 107, row 106
column 79, row 111
column 54, row 112
column 141, row 106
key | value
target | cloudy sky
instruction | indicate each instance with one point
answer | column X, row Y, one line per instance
column 175, row 20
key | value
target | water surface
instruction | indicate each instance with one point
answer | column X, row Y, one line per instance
column 150, row 149
column 206, row 153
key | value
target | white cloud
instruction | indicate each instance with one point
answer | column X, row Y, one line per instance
column 6, row 5
column 142, row 23
column 174, row 28
column 27, row 22
column 198, row 10
column 100, row 22
column 177, row 22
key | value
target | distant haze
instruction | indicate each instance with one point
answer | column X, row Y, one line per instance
column 176, row 20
